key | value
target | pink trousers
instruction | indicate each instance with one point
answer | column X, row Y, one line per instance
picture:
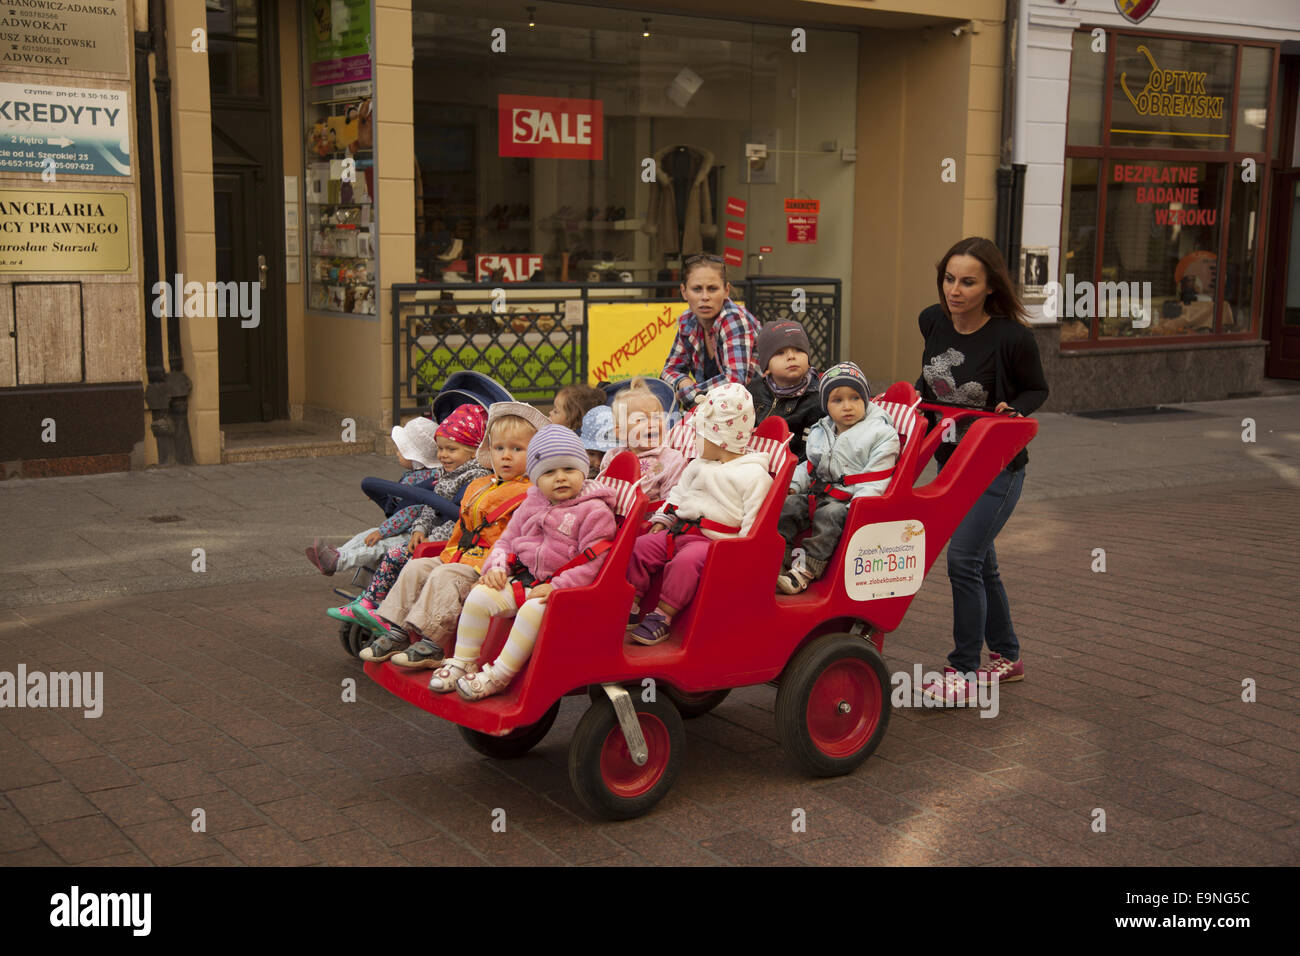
column 681, row 571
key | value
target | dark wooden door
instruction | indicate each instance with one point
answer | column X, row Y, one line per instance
column 248, row 199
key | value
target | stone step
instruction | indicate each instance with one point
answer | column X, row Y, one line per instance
column 316, row 449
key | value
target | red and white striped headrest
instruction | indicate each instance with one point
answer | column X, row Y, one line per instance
column 903, row 416
column 624, row 492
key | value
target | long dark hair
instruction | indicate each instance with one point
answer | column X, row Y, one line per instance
column 1002, row 301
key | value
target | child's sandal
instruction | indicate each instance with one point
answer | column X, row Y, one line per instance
column 444, row 678
column 483, row 684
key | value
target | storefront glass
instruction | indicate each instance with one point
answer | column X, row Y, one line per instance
column 339, row 168
column 1179, row 192
column 603, row 143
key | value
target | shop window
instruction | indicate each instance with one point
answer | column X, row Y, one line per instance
column 1176, row 177
column 1252, row 100
column 339, row 168
column 234, row 48
column 1078, row 238
column 1163, row 220
column 532, row 159
column 1171, row 94
column 1087, row 92
column 1239, row 270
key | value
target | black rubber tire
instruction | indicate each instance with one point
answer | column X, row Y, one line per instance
column 353, row 637
column 691, row 706
column 598, row 730
column 839, row 744
column 514, row 744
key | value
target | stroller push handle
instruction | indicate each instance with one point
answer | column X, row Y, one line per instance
column 393, row 496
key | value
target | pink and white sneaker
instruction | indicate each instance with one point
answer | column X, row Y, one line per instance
column 954, row 690
column 999, row 670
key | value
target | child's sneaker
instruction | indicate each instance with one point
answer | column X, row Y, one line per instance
column 999, row 670
column 385, row 646
column 327, row 559
column 952, row 690
column 370, row 620
column 655, row 629
column 794, row 581
column 803, row 572
column 422, row 654
column 345, row 613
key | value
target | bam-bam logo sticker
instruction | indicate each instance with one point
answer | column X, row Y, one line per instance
column 885, row 560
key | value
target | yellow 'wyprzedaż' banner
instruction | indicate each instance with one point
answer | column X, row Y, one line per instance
column 629, row 339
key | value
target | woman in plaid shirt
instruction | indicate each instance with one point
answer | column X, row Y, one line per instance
column 715, row 337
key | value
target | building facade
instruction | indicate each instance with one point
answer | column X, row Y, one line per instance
column 239, row 186
column 1159, row 141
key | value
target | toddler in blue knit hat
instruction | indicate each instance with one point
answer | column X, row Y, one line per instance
column 851, row 454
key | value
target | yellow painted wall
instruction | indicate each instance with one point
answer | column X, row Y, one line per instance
column 195, row 231
column 395, row 180
column 291, row 150
column 923, row 97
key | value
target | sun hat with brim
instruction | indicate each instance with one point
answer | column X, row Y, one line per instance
column 661, row 389
column 468, row 387
column 501, row 410
column 417, row 441
column 598, row 429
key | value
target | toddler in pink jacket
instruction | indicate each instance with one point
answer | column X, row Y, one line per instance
column 556, row 539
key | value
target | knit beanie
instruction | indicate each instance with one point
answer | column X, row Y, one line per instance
column 465, row 425
column 726, row 416
column 837, row 376
column 775, row 336
column 415, row 441
column 598, row 429
column 555, row 446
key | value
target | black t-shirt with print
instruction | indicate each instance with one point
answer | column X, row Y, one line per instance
column 996, row 363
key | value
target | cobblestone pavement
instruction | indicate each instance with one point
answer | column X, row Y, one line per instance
column 227, row 699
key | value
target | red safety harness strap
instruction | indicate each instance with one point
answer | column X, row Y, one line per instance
column 819, row 488
column 522, row 578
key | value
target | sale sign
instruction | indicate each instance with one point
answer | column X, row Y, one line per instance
column 549, row 126
column 735, row 230
column 513, row 268
column 803, row 207
column 800, row 229
column 733, row 256
column 736, row 207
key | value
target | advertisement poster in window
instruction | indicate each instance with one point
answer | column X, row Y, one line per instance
column 338, row 41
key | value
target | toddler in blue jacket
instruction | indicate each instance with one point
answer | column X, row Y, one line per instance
column 851, row 453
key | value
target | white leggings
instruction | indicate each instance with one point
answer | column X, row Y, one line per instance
column 484, row 603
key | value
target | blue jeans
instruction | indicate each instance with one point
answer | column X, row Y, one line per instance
column 980, row 611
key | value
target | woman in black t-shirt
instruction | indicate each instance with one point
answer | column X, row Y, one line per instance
column 980, row 353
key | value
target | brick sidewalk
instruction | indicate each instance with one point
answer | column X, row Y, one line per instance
column 228, row 699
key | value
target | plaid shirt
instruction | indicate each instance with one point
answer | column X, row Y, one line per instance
column 734, row 332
